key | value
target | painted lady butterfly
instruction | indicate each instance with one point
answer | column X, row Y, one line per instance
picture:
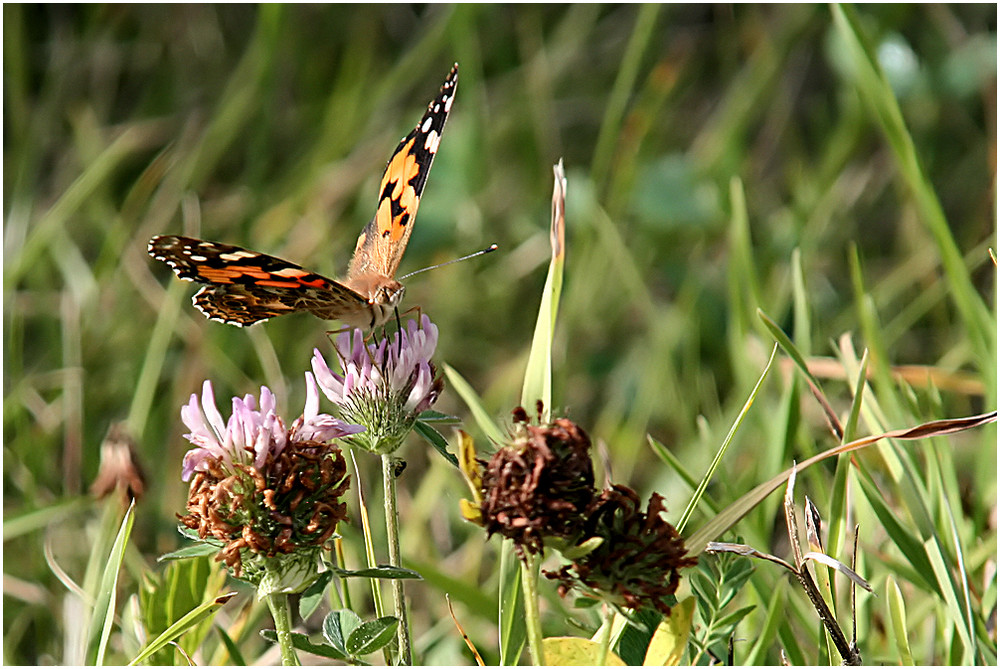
column 244, row 287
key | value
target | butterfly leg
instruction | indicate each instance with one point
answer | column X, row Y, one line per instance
column 399, row 326
column 332, row 334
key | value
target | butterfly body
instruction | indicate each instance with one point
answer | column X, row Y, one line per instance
column 244, row 287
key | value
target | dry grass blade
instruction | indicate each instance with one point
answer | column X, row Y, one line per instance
column 465, row 637
column 746, row 551
column 742, row 506
column 791, row 524
column 833, row 563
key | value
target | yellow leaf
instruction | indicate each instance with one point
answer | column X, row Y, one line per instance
column 467, row 463
column 576, row 652
column 470, row 511
column 670, row 638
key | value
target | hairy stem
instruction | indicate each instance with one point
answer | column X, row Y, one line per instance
column 392, row 538
column 532, row 619
column 282, row 614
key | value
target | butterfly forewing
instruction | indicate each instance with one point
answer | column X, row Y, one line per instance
column 245, row 287
column 384, row 239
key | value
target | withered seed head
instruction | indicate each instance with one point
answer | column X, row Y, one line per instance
column 637, row 563
column 539, row 485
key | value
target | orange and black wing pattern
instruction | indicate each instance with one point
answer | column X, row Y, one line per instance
column 243, row 287
column 383, row 241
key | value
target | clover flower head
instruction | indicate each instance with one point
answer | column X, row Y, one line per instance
column 267, row 494
column 384, row 385
column 251, row 433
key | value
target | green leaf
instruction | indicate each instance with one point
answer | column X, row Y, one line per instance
column 475, row 404
column 187, row 622
column 180, row 588
column 302, row 642
column 338, row 627
column 432, row 416
column 198, row 550
column 381, row 571
column 438, row 576
column 980, row 324
column 909, row 546
column 585, row 603
column 538, row 373
column 103, row 615
column 635, row 635
column 897, row 618
column 837, row 528
column 775, row 615
column 734, row 512
column 512, row 630
column 674, row 463
column 312, row 597
column 581, row 549
column 710, row 472
column 793, row 352
column 435, row 439
column 372, row 635
column 234, row 651
column 37, row 519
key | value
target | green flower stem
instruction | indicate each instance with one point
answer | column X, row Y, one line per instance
column 532, row 620
column 282, row 614
column 605, row 638
column 392, row 538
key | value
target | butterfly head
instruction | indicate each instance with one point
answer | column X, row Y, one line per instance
column 383, row 295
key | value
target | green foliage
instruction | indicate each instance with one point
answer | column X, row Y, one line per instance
column 831, row 167
column 346, row 636
column 165, row 598
column 105, row 597
column 716, row 582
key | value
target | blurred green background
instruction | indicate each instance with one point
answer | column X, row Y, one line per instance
column 268, row 127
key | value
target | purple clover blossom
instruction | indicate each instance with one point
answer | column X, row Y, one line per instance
column 251, row 434
column 384, row 385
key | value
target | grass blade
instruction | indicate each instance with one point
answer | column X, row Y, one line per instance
column 475, row 404
column 793, row 352
column 538, row 373
column 512, row 630
column 734, row 512
column 897, row 618
column 188, row 621
column 877, row 92
column 686, row 516
column 103, row 616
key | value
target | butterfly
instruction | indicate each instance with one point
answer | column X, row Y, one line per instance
column 244, row 287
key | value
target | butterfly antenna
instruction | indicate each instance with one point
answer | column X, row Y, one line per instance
column 490, row 249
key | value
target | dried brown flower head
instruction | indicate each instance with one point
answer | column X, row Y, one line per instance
column 291, row 503
column 637, row 563
column 540, row 485
column 119, row 470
